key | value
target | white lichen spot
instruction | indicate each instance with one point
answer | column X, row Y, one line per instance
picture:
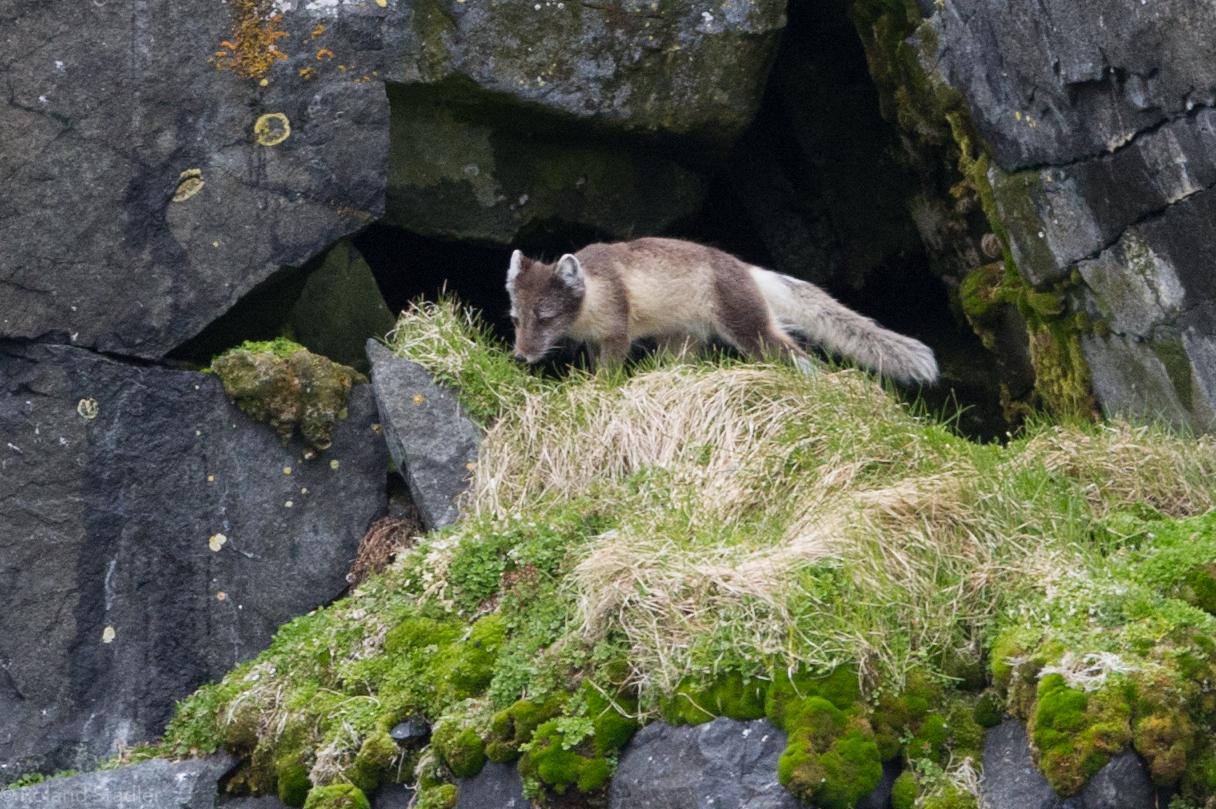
column 288, row 504
column 59, row 66
column 107, row 635
column 221, row 596
column 88, row 408
column 705, row 15
column 286, row 470
column 216, row 542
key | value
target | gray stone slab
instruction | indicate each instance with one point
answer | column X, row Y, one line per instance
column 432, row 441
column 723, row 763
column 497, row 786
column 155, row 784
column 116, row 479
column 109, row 104
column 1010, row 778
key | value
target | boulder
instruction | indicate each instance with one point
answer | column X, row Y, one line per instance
column 432, row 441
column 487, row 172
column 719, row 763
column 497, row 786
column 153, row 537
column 155, row 784
column 1099, row 121
column 340, row 308
column 1011, row 779
column 1063, row 81
column 161, row 159
column 686, row 67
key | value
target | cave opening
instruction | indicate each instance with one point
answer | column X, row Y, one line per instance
column 814, row 188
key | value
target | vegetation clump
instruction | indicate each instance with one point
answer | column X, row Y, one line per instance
column 288, row 387
column 723, row 539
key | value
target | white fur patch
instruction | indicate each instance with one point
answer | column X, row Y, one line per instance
column 570, row 272
column 513, row 270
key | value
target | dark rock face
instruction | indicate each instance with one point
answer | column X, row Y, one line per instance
column 340, row 308
column 497, row 786
column 1011, row 779
column 682, row 68
column 431, row 440
column 720, row 763
column 154, row 536
column 487, row 172
column 155, row 784
column 1100, row 123
column 1062, row 81
column 143, row 191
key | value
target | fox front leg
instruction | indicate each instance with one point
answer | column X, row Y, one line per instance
column 609, row 353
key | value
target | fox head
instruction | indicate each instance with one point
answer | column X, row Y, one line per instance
column 545, row 302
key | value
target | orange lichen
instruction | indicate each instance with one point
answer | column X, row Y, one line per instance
column 255, row 30
column 308, row 74
column 316, row 32
column 324, row 53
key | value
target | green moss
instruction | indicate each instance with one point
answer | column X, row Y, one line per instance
column 287, row 387
column 460, row 748
column 337, row 796
column 1075, row 733
column 441, row 796
column 558, row 765
column 1177, row 365
column 376, row 756
column 988, row 710
column 903, row 791
column 930, row 740
column 612, row 721
column 831, row 759
column 726, row 695
column 293, row 785
column 949, row 796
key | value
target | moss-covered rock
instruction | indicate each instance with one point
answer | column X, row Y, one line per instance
column 337, row 796
column 288, row 387
column 376, row 755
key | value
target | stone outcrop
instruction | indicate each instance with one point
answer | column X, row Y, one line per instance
column 1098, row 116
column 154, row 537
column 1011, row 779
column 432, row 441
column 162, row 159
column 488, row 172
column 719, row 763
column 152, row 174
column 155, row 784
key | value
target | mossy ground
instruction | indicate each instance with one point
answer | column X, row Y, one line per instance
column 714, row 539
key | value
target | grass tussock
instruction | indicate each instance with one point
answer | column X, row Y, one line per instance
column 691, row 522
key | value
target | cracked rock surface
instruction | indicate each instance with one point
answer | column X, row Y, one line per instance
column 1099, row 118
column 144, row 190
column 154, row 537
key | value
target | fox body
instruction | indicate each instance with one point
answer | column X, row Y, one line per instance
column 684, row 294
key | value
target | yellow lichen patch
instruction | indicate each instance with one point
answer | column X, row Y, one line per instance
column 88, row 408
column 189, row 183
column 272, row 129
column 107, row 635
column 255, row 30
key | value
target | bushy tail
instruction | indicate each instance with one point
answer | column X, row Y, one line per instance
column 806, row 309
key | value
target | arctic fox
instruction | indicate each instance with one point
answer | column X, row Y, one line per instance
column 685, row 294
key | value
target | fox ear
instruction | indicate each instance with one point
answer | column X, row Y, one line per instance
column 570, row 272
column 517, row 260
